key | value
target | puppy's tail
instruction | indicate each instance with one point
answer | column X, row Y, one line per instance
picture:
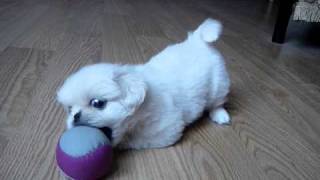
column 209, row 31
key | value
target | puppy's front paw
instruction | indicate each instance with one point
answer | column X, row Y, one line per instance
column 220, row 116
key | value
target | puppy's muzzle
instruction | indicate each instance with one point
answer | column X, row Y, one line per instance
column 76, row 117
column 107, row 131
column 78, row 122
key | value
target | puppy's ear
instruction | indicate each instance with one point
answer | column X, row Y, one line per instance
column 134, row 90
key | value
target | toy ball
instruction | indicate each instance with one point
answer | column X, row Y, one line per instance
column 84, row 153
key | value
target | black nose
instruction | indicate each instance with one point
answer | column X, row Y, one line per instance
column 77, row 116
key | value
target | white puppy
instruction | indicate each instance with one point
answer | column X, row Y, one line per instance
column 149, row 105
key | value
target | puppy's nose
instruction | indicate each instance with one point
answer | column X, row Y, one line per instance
column 77, row 116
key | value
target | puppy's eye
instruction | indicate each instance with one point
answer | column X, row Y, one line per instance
column 100, row 104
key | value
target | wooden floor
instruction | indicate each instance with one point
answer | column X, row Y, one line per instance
column 275, row 99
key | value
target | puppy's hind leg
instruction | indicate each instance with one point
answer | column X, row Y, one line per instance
column 220, row 115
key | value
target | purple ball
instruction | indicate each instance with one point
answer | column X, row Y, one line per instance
column 84, row 153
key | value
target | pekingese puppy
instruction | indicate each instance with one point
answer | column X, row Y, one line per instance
column 149, row 105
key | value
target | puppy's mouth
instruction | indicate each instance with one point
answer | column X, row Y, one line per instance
column 108, row 132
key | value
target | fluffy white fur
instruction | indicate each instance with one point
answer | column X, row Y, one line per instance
column 149, row 105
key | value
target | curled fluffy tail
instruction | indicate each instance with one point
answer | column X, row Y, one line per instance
column 209, row 31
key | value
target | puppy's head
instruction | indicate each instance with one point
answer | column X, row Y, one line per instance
column 102, row 95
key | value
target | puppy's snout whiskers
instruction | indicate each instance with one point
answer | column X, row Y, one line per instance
column 81, row 123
